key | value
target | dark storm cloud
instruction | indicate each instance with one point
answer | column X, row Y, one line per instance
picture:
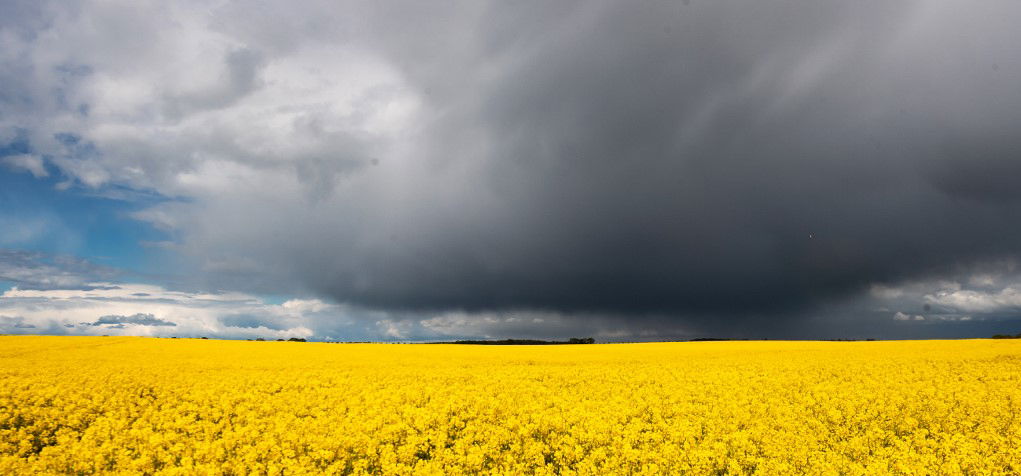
column 717, row 158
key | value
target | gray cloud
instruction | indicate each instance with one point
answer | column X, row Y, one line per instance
column 35, row 270
column 631, row 166
column 24, row 162
column 238, row 77
column 990, row 291
column 724, row 166
column 248, row 321
column 139, row 319
column 15, row 323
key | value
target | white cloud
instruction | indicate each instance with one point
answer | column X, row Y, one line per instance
column 27, row 162
column 306, row 305
column 144, row 309
column 196, row 102
column 900, row 316
column 393, row 329
column 991, row 291
column 983, row 280
column 1008, row 298
column 885, row 292
column 541, row 325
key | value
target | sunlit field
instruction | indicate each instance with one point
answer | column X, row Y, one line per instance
column 177, row 406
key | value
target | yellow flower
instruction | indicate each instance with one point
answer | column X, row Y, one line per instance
column 161, row 406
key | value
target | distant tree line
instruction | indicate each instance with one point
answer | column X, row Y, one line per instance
column 573, row 340
column 292, row 339
column 1007, row 336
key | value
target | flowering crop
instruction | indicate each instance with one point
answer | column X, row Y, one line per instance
column 162, row 406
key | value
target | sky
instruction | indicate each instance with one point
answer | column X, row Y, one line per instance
column 628, row 171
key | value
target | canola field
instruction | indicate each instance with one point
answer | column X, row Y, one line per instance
column 84, row 405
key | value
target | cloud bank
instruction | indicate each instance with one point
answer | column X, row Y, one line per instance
column 136, row 319
column 109, row 309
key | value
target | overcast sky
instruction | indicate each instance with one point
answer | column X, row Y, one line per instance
column 431, row 170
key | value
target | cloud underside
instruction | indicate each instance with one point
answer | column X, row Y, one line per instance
column 135, row 319
column 987, row 302
column 727, row 166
